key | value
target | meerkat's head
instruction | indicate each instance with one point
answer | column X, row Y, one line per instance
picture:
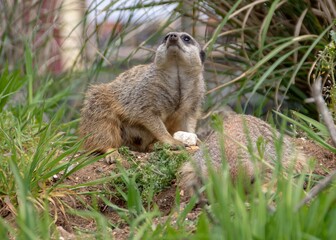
column 180, row 48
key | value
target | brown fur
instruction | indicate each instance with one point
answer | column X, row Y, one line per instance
column 240, row 131
column 147, row 103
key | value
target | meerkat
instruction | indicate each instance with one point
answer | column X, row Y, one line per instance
column 147, row 103
column 244, row 136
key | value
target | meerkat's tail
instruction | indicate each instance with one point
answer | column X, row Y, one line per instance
column 188, row 178
column 191, row 175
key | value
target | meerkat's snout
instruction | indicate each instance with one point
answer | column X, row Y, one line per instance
column 182, row 48
column 172, row 40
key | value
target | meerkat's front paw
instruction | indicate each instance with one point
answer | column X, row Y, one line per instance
column 177, row 144
column 177, row 147
column 113, row 156
column 173, row 144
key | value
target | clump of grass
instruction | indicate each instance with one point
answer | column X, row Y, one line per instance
column 155, row 174
column 163, row 165
column 36, row 144
column 36, row 149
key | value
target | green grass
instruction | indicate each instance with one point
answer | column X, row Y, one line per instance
column 275, row 46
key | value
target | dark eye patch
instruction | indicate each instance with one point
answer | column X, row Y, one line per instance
column 202, row 56
column 186, row 39
column 165, row 38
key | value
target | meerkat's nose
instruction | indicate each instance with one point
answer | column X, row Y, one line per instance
column 173, row 37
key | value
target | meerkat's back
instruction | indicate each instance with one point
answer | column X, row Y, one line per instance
column 246, row 141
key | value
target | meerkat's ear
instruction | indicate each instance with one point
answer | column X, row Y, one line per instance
column 202, row 56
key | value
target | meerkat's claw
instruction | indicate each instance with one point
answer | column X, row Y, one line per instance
column 113, row 156
column 178, row 147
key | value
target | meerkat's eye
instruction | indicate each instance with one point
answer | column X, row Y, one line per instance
column 186, row 38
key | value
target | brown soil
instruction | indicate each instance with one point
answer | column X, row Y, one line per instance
column 324, row 160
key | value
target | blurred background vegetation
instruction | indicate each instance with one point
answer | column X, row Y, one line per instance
column 262, row 55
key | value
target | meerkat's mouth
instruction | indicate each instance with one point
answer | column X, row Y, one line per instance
column 174, row 45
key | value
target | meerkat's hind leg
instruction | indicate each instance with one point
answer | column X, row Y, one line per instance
column 136, row 137
column 105, row 136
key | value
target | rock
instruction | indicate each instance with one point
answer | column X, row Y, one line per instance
column 186, row 137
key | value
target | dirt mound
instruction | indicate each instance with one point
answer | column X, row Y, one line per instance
column 325, row 161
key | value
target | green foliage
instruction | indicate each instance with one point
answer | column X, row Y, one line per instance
column 153, row 175
column 31, row 224
column 264, row 51
column 35, row 147
column 163, row 164
column 10, row 82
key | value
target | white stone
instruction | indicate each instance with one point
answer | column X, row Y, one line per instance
column 186, row 137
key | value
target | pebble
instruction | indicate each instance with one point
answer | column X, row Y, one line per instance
column 186, row 137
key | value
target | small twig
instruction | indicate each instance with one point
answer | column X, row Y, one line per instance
column 203, row 203
column 147, row 49
column 317, row 189
column 328, row 120
column 323, row 110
